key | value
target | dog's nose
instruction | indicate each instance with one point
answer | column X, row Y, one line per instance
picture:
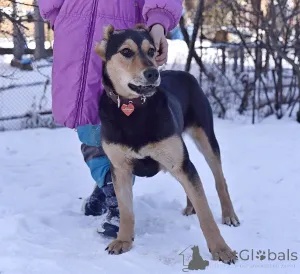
column 151, row 75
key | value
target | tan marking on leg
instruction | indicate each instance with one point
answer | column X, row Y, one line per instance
column 228, row 215
column 189, row 209
column 170, row 154
column 122, row 180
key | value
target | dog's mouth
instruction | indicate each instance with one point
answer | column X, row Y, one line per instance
column 145, row 90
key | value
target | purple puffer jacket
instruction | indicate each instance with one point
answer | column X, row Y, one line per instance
column 76, row 74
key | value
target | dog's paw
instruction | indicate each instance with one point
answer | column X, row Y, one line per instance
column 225, row 255
column 189, row 210
column 118, row 247
column 230, row 219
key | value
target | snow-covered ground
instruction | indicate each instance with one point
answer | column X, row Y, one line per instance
column 42, row 230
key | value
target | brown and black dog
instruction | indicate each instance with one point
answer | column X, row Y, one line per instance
column 144, row 114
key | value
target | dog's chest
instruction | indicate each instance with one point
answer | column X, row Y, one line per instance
column 131, row 154
column 147, row 124
column 141, row 161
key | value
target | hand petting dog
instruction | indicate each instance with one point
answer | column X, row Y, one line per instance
column 157, row 32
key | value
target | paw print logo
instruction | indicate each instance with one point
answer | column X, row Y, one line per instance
column 234, row 253
column 261, row 255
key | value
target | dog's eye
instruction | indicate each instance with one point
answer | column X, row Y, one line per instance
column 128, row 53
column 151, row 52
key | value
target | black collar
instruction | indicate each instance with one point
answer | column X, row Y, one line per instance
column 119, row 100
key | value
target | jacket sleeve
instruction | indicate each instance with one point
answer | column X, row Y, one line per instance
column 164, row 12
column 49, row 9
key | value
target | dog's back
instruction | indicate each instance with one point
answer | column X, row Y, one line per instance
column 183, row 88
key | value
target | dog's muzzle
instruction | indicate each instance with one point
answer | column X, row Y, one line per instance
column 150, row 83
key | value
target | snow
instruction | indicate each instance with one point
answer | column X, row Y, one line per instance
column 42, row 230
column 43, row 177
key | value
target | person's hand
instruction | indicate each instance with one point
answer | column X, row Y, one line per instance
column 158, row 34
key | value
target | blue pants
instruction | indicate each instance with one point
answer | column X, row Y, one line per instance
column 94, row 156
column 93, row 153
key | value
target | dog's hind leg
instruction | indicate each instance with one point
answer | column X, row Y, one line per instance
column 172, row 154
column 189, row 210
column 211, row 151
column 122, row 180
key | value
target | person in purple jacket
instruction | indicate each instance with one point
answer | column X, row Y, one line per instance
column 77, row 71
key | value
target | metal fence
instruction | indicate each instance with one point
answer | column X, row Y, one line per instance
column 245, row 80
column 248, row 79
column 25, row 85
column 229, row 76
column 25, row 95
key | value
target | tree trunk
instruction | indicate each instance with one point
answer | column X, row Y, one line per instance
column 197, row 23
column 39, row 34
column 190, row 4
column 18, row 37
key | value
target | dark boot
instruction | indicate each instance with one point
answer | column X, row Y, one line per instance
column 95, row 204
column 110, row 226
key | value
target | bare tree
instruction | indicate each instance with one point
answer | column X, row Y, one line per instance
column 20, row 22
column 268, row 33
column 275, row 25
column 39, row 30
column 18, row 35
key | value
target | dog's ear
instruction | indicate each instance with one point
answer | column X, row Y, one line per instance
column 108, row 31
column 101, row 47
column 141, row 27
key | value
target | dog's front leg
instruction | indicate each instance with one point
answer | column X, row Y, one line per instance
column 122, row 179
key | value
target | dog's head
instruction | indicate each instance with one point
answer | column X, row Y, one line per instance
column 129, row 60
